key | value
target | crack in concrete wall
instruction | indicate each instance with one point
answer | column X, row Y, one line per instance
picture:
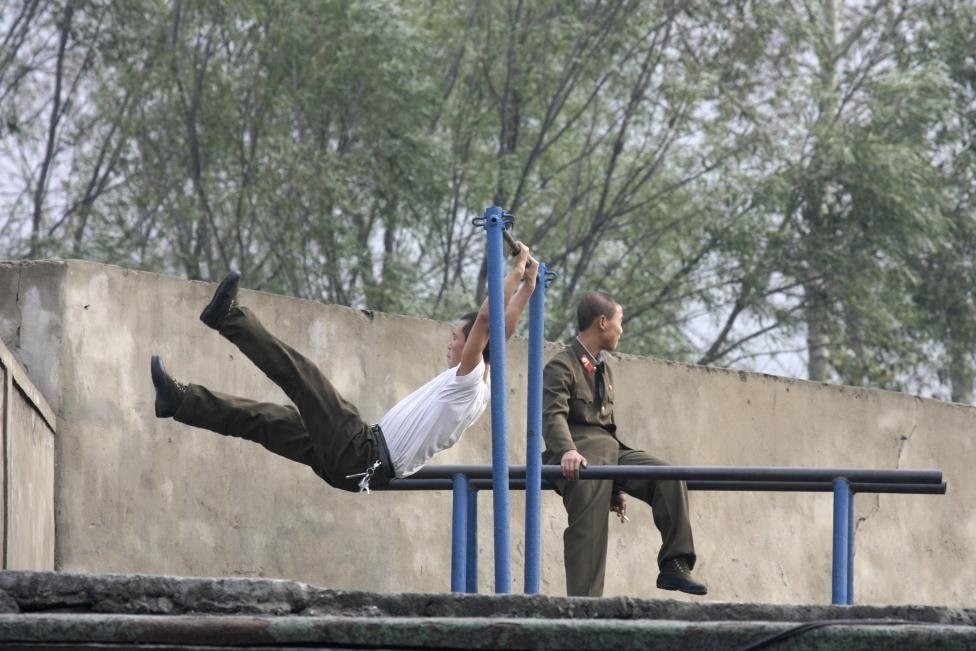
column 904, row 439
column 20, row 311
column 861, row 519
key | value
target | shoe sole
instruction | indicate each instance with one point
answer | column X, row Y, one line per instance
column 209, row 316
column 158, row 373
column 685, row 589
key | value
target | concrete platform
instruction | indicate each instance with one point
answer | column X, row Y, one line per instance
column 41, row 610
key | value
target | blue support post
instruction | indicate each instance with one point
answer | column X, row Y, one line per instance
column 495, row 225
column 533, row 448
column 472, row 571
column 459, row 531
column 842, row 534
column 850, row 549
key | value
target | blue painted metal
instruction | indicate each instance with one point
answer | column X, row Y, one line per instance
column 495, row 224
column 850, row 547
column 842, row 525
column 459, row 530
column 472, row 571
column 699, row 478
column 533, row 448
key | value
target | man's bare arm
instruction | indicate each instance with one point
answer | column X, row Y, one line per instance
column 517, row 304
column 477, row 339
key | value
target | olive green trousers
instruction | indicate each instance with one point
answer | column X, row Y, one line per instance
column 587, row 505
column 322, row 430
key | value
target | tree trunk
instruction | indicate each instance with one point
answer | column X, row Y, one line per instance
column 818, row 340
column 961, row 373
column 817, row 210
column 40, row 190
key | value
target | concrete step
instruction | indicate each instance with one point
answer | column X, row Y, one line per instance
column 50, row 610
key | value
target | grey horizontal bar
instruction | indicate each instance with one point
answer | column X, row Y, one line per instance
column 816, row 487
column 411, row 484
column 869, row 487
column 715, row 473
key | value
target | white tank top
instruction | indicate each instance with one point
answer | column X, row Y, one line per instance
column 433, row 417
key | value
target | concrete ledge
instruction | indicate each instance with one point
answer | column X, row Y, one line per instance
column 468, row 632
column 61, row 608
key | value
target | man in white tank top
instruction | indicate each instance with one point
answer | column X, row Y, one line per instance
column 324, row 431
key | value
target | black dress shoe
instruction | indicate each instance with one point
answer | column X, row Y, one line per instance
column 222, row 300
column 676, row 575
column 169, row 393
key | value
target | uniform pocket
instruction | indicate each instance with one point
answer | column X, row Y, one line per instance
column 583, row 395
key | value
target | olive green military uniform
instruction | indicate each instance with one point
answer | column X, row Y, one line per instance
column 324, row 432
column 574, row 418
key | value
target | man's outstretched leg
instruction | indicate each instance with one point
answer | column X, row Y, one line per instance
column 278, row 428
column 343, row 443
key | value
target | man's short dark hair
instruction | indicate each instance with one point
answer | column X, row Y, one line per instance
column 594, row 305
column 469, row 319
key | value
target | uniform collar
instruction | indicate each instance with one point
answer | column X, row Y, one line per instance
column 597, row 359
column 586, row 359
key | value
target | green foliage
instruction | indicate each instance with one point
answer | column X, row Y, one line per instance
column 746, row 178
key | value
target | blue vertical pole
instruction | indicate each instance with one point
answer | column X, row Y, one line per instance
column 850, row 549
column 495, row 225
column 533, row 448
column 459, row 531
column 472, row 571
column 842, row 524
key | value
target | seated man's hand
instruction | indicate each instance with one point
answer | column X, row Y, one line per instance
column 618, row 505
column 571, row 463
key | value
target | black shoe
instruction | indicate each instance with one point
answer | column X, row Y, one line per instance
column 223, row 299
column 675, row 575
column 169, row 393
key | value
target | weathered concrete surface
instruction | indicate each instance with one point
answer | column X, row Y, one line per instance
column 139, row 594
column 136, row 494
column 89, row 631
column 73, row 608
column 27, row 472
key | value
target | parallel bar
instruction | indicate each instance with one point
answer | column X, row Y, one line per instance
column 717, row 473
column 459, row 530
column 495, row 225
column 472, row 570
column 814, row 486
column 869, row 487
column 763, row 479
column 533, row 448
column 411, row 484
column 842, row 521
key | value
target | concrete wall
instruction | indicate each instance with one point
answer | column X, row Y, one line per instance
column 137, row 494
column 26, row 473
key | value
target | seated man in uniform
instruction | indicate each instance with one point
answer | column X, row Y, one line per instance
column 579, row 428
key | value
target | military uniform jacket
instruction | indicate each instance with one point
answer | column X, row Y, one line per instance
column 572, row 412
